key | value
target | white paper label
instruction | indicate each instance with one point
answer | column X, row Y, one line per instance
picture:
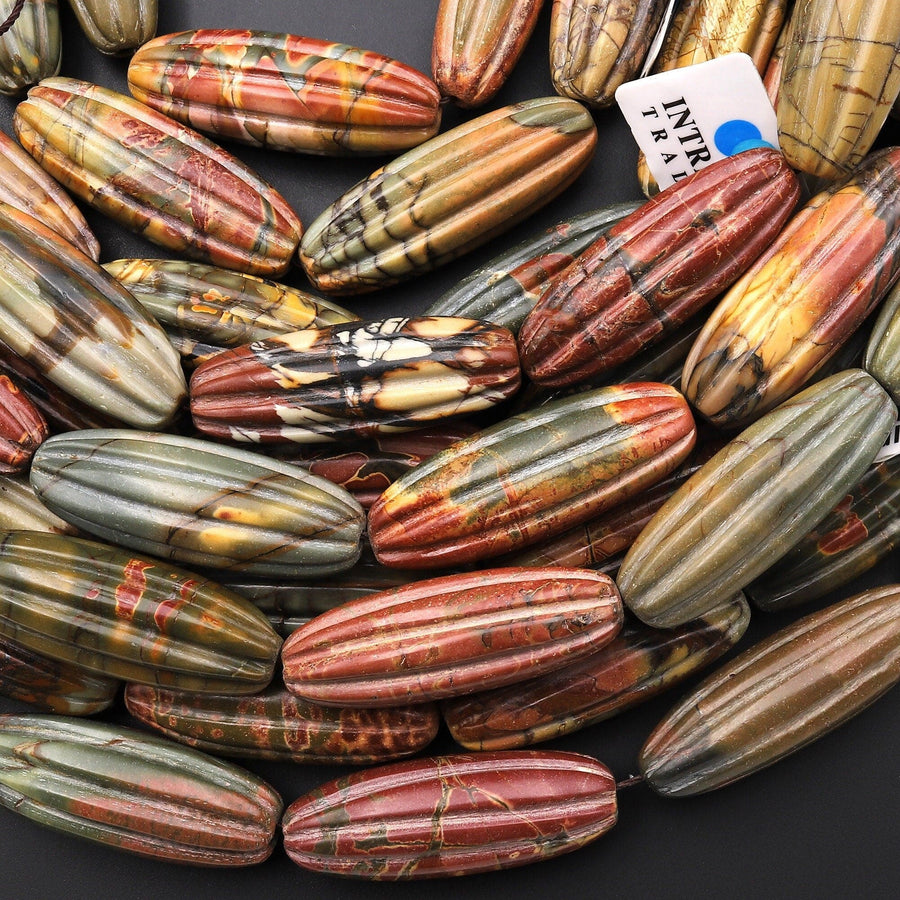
column 687, row 118
column 891, row 446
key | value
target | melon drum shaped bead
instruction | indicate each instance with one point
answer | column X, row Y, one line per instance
column 802, row 300
column 755, row 499
column 135, row 792
column 355, row 379
column 477, row 43
column 156, row 177
column 131, row 618
column 32, row 48
column 840, row 75
column 205, row 309
column 596, row 46
column 451, row 815
column 778, row 696
column 116, row 26
column 449, row 195
column 531, row 476
column 199, row 503
column 286, row 92
column 275, row 724
column 451, row 635
column 657, row 267
column 21, row 510
column 25, row 185
column 78, row 327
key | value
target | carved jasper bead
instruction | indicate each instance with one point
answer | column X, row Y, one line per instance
column 449, row 195
column 840, row 75
column 22, row 428
column 778, row 696
column 802, row 299
column 205, row 309
column 882, row 354
column 451, row 635
column 25, row 185
column 286, row 92
column 755, row 499
column 637, row 664
column 199, row 503
column 31, row 49
column 596, row 46
column 657, row 267
column 477, row 43
column 505, row 289
column 135, row 792
column 133, row 618
column 451, row 815
column 79, row 328
column 355, row 379
column 532, row 476
column 156, row 177
column 277, row 725
column 116, row 26
column 50, row 685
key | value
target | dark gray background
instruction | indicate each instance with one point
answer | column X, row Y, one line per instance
column 821, row 823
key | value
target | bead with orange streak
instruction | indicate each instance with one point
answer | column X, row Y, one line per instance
column 801, row 300
column 286, row 92
column 532, row 476
column 477, row 44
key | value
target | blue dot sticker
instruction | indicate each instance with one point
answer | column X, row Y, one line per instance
column 737, row 135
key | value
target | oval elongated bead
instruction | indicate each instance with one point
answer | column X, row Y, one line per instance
column 22, row 428
column 169, row 184
column 801, row 300
column 25, row 185
column 135, row 792
column 32, row 48
column 20, row 509
column 859, row 532
column 277, row 725
column 286, row 92
column 601, row 542
column 477, row 43
column 451, row 815
column 205, row 310
column 199, row 503
column 596, row 46
column 778, row 696
column 638, row 664
column 840, row 75
column 451, row 635
column 81, row 329
column 449, row 195
column 116, row 26
column 505, row 289
column 354, row 380
column 756, row 498
column 657, row 267
column 532, row 476
column 137, row 619
column 50, row 685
